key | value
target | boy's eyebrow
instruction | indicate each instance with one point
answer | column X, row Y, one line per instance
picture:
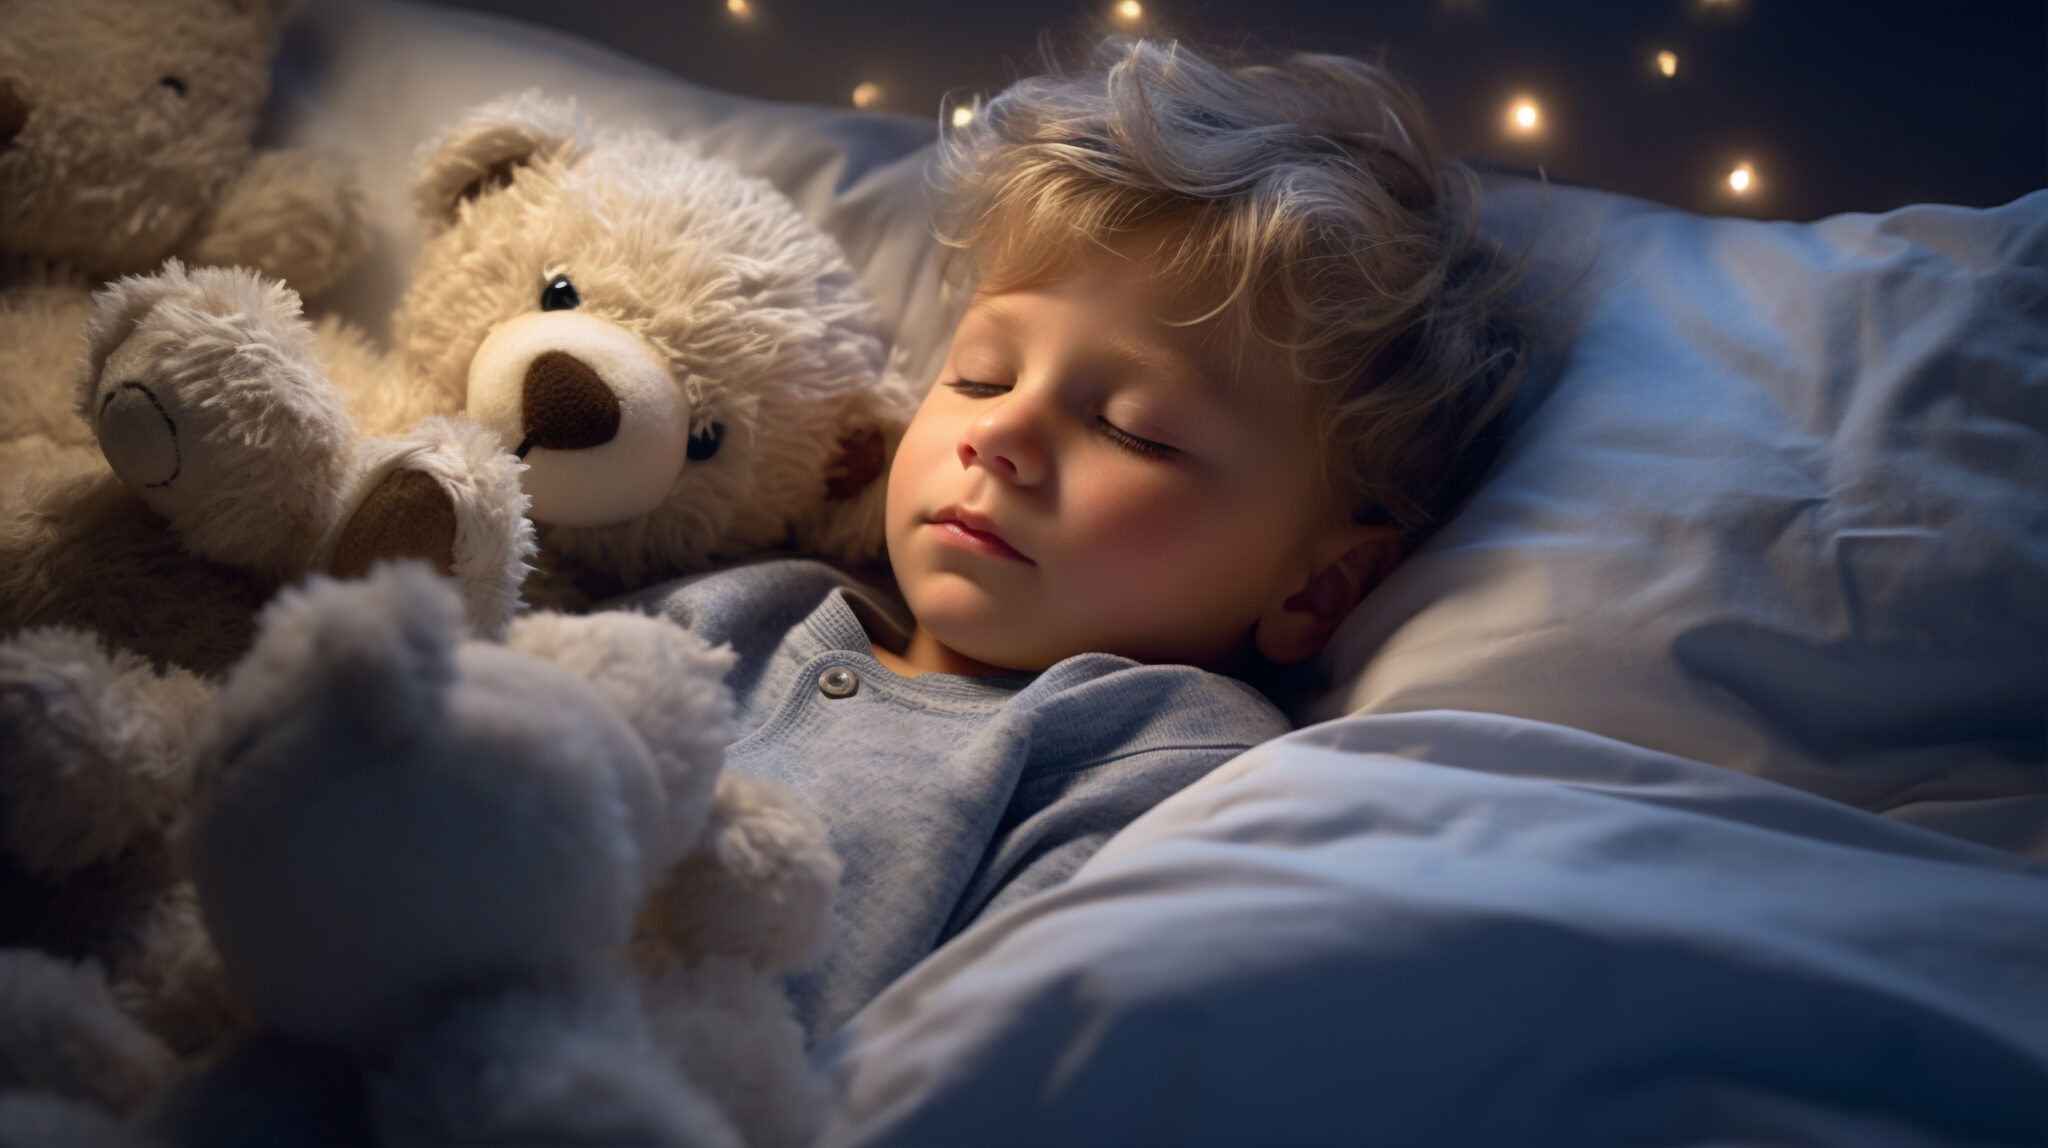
column 1161, row 364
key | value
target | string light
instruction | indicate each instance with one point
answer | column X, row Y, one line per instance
column 740, row 9
column 866, row 93
column 1524, row 117
column 962, row 116
column 1667, row 63
column 1743, row 179
column 1129, row 11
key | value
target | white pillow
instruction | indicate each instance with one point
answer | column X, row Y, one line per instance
column 1782, row 508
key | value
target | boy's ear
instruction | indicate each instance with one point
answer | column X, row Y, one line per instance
column 487, row 148
column 1297, row 627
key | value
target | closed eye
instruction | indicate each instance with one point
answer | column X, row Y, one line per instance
column 1131, row 442
column 1142, row 447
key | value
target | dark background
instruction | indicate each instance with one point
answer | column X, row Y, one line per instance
column 1839, row 105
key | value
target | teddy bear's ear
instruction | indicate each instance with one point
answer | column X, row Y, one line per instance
column 339, row 666
column 848, row 525
column 486, row 149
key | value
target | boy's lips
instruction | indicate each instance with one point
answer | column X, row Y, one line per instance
column 976, row 532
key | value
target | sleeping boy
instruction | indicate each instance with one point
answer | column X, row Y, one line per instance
column 1224, row 365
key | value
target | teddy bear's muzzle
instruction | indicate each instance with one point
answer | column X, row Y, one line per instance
column 592, row 409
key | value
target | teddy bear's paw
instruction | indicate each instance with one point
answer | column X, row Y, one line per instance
column 449, row 495
column 732, row 1030
column 297, row 213
column 66, row 1036
column 759, row 888
column 95, row 748
column 542, row 1067
column 669, row 685
column 209, row 401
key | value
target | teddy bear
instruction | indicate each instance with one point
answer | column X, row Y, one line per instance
column 126, row 135
column 655, row 358
column 483, row 892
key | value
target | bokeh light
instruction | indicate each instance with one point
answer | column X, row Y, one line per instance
column 1129, row 11
column 740, row 9
column 866, row 94
column 1525, row 118
column 1667, row 63
column 962, row 116
column 1742, row 181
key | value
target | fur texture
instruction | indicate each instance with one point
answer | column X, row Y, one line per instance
column 249, row 446
column 760, row 322
column 426, row 852
column 136, row 143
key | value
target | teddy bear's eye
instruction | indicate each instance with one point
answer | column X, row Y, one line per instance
column 173, row 83
column 560, row 295
column 705, row 442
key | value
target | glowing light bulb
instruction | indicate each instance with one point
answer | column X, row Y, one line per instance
column 962, row 117
column 1525, row 115
column 1129, row 11
column 740, row 9
column 866, row 93
column 1742, row 179
column 1667, row 63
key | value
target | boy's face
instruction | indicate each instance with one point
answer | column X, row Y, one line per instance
column 1085, row 476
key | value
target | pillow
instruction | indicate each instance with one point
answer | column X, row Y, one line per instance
column 1781, row 507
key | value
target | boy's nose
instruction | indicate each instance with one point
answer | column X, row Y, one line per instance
column 997, row 444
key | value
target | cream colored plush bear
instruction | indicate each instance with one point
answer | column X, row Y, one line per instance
column 501, row 893
column 125, row 137
column 689, row 370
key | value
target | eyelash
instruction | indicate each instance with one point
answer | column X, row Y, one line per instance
column 1142, row 447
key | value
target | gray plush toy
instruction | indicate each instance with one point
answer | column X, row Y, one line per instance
column 484, row 893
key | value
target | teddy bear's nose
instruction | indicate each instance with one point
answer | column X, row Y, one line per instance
column 564, row 405
column 14, row 111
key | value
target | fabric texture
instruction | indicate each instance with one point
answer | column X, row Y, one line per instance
column 1460, row 928
column 947, row 797
column 1781, row 507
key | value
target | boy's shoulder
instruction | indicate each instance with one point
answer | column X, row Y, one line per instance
column 1104, row 703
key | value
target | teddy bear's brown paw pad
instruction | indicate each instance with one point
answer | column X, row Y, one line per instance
column 407, row 516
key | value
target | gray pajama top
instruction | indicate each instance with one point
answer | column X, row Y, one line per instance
column 946, row 796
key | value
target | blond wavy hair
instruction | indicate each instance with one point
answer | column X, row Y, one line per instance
column 1310, row 189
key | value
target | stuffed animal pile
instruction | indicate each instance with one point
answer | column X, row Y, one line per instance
column 428, row 853
column 617, row 361
column 483, row 893
column 125, row 137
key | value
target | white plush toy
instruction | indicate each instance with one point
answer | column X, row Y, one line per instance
column 505, row 888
